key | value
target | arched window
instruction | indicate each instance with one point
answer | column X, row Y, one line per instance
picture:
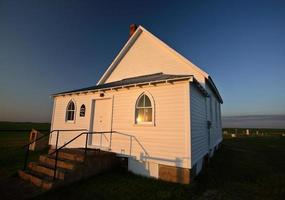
column 144, row 110
column 82, row 110
column 70, row 111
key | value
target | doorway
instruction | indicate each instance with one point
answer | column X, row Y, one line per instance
column 101, row 121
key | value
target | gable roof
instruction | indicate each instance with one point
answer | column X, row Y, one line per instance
column 130, row 43
column 151, row 78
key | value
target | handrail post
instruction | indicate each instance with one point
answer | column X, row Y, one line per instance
column 56, row 156
column 110, row 145
column 85, row 150
column 131, row 144
column 101, row 139
column 26, row 157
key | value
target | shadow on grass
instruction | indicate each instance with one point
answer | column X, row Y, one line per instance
column 244, row 168
column 256, row 172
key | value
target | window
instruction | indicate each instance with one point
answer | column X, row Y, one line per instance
column 211, row 109
column 82, row 110
column 70, row 111
column 208, row 105
column 144, row 110
column 217, row 113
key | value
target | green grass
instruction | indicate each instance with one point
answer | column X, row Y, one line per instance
column 244, row 168
column 20, row 126
column 12, row 137
column 253, row 131
column 248, row 168
column 12, row 154
column 120, row 185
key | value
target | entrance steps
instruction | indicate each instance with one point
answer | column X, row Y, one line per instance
column 72, row 165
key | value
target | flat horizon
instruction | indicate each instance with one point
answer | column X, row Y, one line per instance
column 239, row 121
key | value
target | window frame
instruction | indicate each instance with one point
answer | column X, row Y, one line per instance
column 152, row 107
column 217, row 114
column 67, row 111
column 81, row 107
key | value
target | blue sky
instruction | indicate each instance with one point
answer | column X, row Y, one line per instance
column 52, row 46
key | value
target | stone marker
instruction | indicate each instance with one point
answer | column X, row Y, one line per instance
column 40, row 144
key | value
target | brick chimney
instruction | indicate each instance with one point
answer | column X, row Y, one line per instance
column 133, row 28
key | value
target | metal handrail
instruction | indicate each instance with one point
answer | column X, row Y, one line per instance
column 87, row 133
column 85, row 150
column 131, row 138
column 56, row 151
column 49, row 134
column 37, row 139
column 43, row 136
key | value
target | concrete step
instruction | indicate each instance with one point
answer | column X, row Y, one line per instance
column 49, row 161
column 78, row 151
column 78, row 154
column 70, row 167
column 68, row 155
column 36, row 180
column 46, row 170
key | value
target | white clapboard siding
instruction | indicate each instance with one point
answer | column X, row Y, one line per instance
column 199, row 131
column 149, row 55
column 59, row 115
column 164, row 142
column 215, row 118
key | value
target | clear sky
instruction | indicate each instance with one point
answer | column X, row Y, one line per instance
column 52, row 46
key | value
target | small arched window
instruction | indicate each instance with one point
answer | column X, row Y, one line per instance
column 82, row 110
column 144, row 110
column 70, row 111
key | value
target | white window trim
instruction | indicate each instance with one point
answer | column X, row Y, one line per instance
column 152, row 123
column 74, row 118
column 84, row 110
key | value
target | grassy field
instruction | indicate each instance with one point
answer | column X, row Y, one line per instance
column 254, row 131
column 12, row 137
column 23, row 126
column 244, row 168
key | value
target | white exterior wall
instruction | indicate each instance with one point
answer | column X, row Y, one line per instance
column 199, row 130
column 59, row 123
column 143, row 168
column 167, row 142
column 148, row 55
column 214, row 115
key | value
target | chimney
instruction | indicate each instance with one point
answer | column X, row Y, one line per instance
column 133, row 28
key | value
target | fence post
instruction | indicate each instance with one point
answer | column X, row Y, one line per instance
column 56, row 156
column 110, row 145
column 101, row 139
column 131, row 144
column 85, row 150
